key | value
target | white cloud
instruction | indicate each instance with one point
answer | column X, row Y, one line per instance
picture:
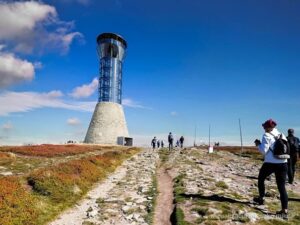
column 54, row 94
column 17, row 18
column 11, row 102
column 73, row 121
column 174, row 113
column 85, row 90
column 14, row 70
column 61, row 39
column 132, row 104
column 67, row 39
column 14, row 102
column 7, row 126
column 38, row 65
column 29, row 25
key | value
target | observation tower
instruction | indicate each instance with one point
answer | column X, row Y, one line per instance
column 108, row 124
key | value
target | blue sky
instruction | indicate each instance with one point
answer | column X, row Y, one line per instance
column 189, row 63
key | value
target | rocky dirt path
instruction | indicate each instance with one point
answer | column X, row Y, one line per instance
column 164, row 203
column 126, row 197
column 218, row 189
column 194, row 187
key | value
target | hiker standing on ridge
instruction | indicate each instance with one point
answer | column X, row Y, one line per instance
column 153, row 143
column 170, row 140
column 294, row 149
column 181, row 140
column 177, row 143
column 273, row 163
column 162, row 143
column 158, row 143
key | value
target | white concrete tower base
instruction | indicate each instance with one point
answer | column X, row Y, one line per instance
column 107, row 124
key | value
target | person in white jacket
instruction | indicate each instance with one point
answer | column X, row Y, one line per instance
column 272, row 165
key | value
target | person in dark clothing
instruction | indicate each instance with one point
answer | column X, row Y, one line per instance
column 158, row 143
column 153, row 143
column 170, row 140
column 272, row 165
column 181, row 140
column 162, row 143
column 294, row 149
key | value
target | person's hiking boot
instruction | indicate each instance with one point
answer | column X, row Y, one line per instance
column 282, row 214
column 268, row 194
column 259, row 200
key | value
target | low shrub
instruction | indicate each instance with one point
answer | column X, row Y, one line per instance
column 17, row 205
column 53, row 188
column 58, row 182
column 4, row 155
column 48, row 150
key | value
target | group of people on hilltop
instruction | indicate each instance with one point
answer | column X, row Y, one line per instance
column 280, row 157
column 160, row 143
column 157, row 143
column 179, row 143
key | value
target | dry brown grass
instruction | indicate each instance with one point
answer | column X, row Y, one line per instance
column 41, row 194
column 47, row 150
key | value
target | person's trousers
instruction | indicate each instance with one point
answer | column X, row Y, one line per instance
column 170, row 146
column 292, row 167
column 280, row 170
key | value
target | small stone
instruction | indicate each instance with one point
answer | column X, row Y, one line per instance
column 136, row 216
column 91, row 213
column 129, row 217
column 125, row 208
column 213, row 211
column 253, row 217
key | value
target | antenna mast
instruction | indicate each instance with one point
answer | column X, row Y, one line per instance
column 241, row 135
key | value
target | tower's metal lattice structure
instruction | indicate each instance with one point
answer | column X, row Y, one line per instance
column 111, row 51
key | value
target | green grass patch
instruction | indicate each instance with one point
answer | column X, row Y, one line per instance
column 180, row 217
column 202, row 203
column 221, row 184
column 151, row 205
column 179, row 188
column 164, row 155
column 272, row 222
column 201, row 211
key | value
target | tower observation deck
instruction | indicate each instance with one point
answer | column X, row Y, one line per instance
column 111, row 51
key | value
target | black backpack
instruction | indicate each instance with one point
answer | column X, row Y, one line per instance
column 281, row 149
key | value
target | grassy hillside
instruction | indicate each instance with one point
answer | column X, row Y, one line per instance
column 42, row 184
